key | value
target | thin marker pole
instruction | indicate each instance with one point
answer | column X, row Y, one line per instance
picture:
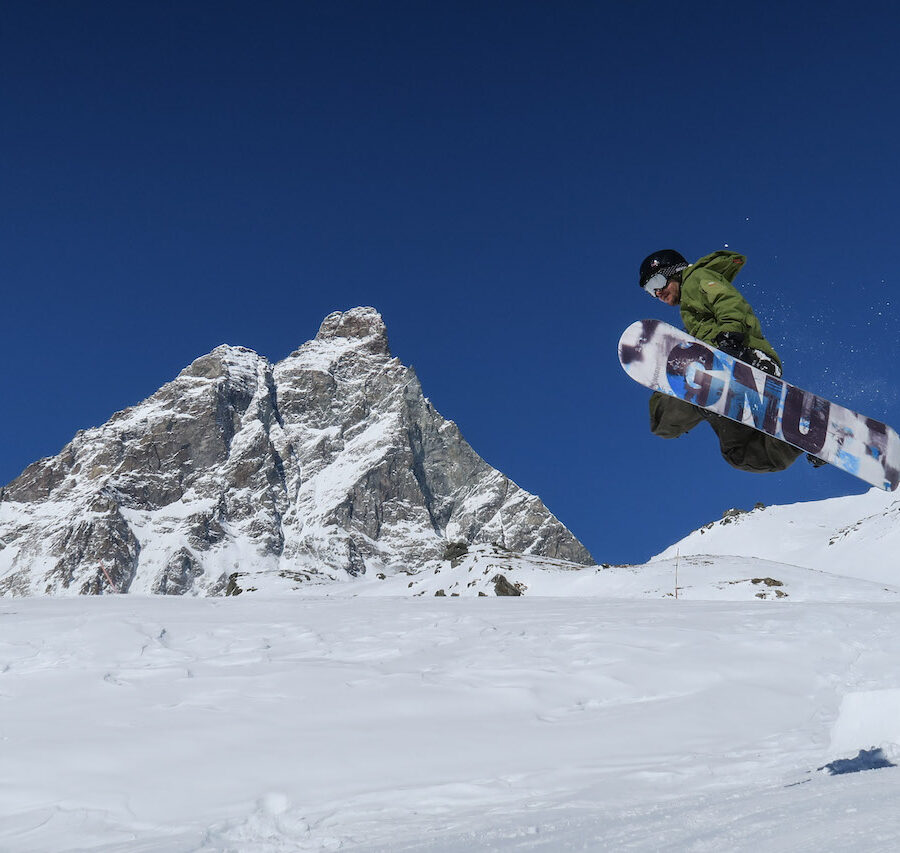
column 677, row 555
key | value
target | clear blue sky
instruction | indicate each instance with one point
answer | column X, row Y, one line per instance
column 176, row 175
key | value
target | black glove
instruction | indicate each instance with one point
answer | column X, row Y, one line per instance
column 764, row 362
column 732, row 343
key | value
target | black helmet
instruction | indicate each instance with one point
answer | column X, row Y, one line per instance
column 664, row 263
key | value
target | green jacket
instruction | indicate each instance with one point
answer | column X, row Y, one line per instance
column 711, row 304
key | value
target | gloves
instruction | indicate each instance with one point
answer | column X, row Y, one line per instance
column 763, row 362
column 731, row 343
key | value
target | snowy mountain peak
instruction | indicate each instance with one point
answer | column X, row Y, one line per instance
column 331, row 463
column 225, row 360
column 361, row 324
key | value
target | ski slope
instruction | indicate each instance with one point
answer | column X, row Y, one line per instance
column 619, row 719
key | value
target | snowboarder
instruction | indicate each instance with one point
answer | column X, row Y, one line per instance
column 714, row 311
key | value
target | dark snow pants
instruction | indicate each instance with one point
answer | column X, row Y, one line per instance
column 742, row 447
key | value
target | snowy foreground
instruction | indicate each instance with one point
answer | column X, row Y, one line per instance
column 381, row 723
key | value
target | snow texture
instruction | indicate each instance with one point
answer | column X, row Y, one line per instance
column 136, row 723
column 595, row 710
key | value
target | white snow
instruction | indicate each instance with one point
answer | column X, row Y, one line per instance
column 596, row 712
column 326, row 489
column 857, row 536
column 867, row 717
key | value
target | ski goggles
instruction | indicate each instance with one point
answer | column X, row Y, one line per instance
column 656, row 282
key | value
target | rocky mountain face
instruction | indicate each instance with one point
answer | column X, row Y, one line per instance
column 328, row 464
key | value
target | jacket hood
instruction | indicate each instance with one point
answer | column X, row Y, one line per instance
column 727, row 264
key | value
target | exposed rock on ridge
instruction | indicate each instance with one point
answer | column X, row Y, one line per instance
column 330, row 462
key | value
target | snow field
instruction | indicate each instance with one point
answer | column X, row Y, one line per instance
column 375, row 723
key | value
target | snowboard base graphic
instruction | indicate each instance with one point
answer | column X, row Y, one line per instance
column 669, row 360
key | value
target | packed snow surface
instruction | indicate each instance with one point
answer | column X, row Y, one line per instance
column 381, row 723
column 724, row 696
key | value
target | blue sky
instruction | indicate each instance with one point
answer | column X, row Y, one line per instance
column 176, row 175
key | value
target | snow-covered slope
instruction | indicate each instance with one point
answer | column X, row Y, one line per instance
column 856, row 536
column 488, row 571
column 133, row 724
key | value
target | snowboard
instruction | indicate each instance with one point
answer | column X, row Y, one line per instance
column 669, row 360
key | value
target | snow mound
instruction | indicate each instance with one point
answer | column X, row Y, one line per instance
column 868, row 719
